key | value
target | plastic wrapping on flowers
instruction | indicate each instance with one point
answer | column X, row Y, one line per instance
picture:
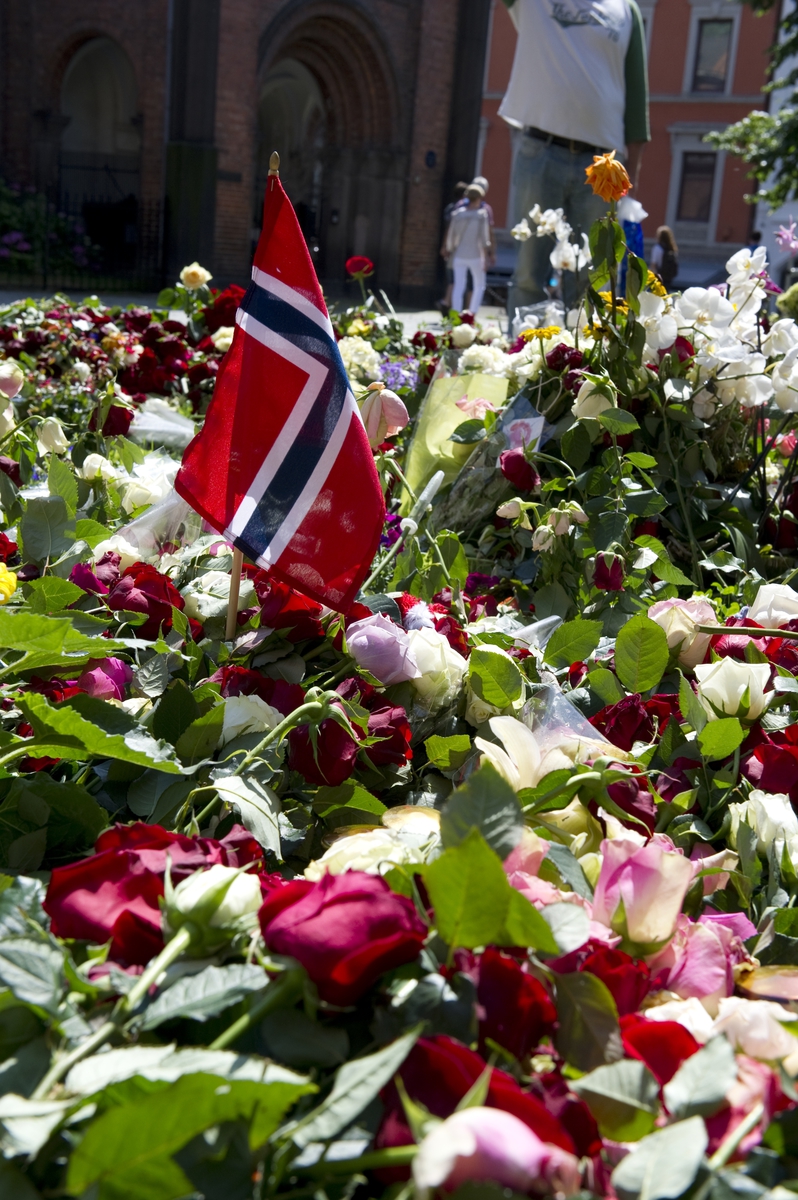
column 483, row 888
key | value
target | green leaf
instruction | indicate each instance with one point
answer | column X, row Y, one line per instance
column 623, row 1097
column 357, row 1083
column 699, row 1087
column 570, row 869
column 129, row 1149
column 589, row 1034
column 83, row 727
column 288, row 1036
column 641, row 654
column 618, row 421
column 468, row 433
column 474, row 903
column 569, row 924
column 91, row 532
column 485, row 802
column 174, row 712
column 202, row 736
column 448, row 753
column 454, row 559
column 719, row 739
column 71, row 817
column 664, row 1164
column 347, row 795
column 572, row 642
column 494, row 676
column 605, row 685
column 51, row 594
column 34, row 971
column 14, row 1185
column 576, row 446
column 691, row 707
column 644, row 461
column 48, row 642
column 62, row 482
column 257, row 805
column 205, row 995
column 152, row 676
column 47, row 528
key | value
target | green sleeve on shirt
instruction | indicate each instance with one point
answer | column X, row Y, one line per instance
column 636, row 126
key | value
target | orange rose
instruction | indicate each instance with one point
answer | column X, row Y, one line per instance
column 607, row 177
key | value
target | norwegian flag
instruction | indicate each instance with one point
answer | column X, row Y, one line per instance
column 282, row 466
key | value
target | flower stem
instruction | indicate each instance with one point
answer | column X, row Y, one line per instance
column 729, row 1144
column 299, row 716
column 682, row 502
column 391, row 1156
column 280, row 993
column 125, row 1006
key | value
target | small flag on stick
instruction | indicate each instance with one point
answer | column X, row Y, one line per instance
column 282, row 466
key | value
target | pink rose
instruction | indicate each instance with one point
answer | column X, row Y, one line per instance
column 678, row 619
column 641, row 889
column 383, row 649
column 384, row 414
column 488, row 1144
column 105, row 678
column 701, row 957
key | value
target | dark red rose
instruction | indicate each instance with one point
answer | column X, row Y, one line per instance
column 454, row 633
column 627, row 978
column 136, row 320
column 608, row 575
column 332, row 760
column 359, row 267
column 106, row 568
column 147, row 374
column 730, row 645
column 8, row 549
column 773, row 767
column 572, row 1113
column 55, row 690
column 114, row 894
column 346, row 931
column 633, row 798
column 662, row 1045
column 83, row 576
column 10, row 467
column 438, row 1072
column 285, row 609
column 423, row 339
column 517, row 1011
column 476, row 583
column 116, row 423
column 386, row 721
column 573, row 380
column 517, row 471
column 142, row 589
column 681, row 348
column 240, row 681
column 223, row 310
column 562, row 357
column 625, row 722
column 576, row 673
column 200, row 371
column 673, row 780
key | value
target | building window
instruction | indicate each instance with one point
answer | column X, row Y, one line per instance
column 695, row 190
column 712, row 56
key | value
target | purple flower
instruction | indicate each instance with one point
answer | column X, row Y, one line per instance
column 401, row 373
column 383, row 649
column 785, row 236
column 392, row 532
column 476, row 584
column 105, row 678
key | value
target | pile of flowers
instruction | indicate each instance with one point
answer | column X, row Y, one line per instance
column 483, row 887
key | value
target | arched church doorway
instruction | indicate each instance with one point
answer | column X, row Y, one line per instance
column 100, row 147
column 329, row 106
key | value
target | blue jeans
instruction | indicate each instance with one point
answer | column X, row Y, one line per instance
column 552, row 177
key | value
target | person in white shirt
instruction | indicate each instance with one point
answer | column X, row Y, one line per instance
column 578, row 88
column 469, row 241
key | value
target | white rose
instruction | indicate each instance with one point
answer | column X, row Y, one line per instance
column 774, row 605
column 722, row 687
column 559, row 521
column 679, row 618
column 375, row 852
column 208, row 595
column 590, row 402
column 12, row 378
column 82, row 370
column 51, row 438
column 96, row 466
column 518, row 759
column 247, row 714
column 463, row 335
column 117, row 544
column 194, row 897
column 223, row 338
column 442, row 668
column 689, row 1013
column 510, row 510
column 544, row 538
column 194, row 276
column 7, row 421
column 769, row 814
column 756, row 1027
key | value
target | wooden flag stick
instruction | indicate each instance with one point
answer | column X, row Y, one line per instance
column 235, row 588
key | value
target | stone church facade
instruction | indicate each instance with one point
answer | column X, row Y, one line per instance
column 172, row 107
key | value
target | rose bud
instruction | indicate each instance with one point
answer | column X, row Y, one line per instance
column 51, row 437
column 383, row 413
column 491, row 1145
column 608, row 576
column 12, row 378
column 217, row 904
column 728, row 688
column 640, row 891
column 517, row 471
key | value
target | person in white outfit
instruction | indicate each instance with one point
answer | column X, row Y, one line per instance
column 469, row 241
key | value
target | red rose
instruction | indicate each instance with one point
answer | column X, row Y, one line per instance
column 198, row 372
column 625, row 723
column 142, row 589
column 115, row 893
column 116, row 423
column 627, row 978
column 518, row 1010
column 240, row 681
column 574, row 1116
column 681, row 348
column 424, row 340
column 674, row 780
column 346, row 931
column 438, row 1072
column 283, row 608
column 608, row 575
column 147, row 374
column 223, row 310
column 359, row 267
column 8, row 549
column 386, row 721
column 10, row 467
column 562, row 357
column 662, row 1045
column 517, row 471
column 331, row 761
column 632, row 797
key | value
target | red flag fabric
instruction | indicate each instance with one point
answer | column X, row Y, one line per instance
column 282, row 465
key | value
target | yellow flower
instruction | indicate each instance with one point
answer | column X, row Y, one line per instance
column 8, row 583
column 607, row 177
column 358, row 328
column 656, row 287
column 194, row 276
column 620, row 305
column 548, row 331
